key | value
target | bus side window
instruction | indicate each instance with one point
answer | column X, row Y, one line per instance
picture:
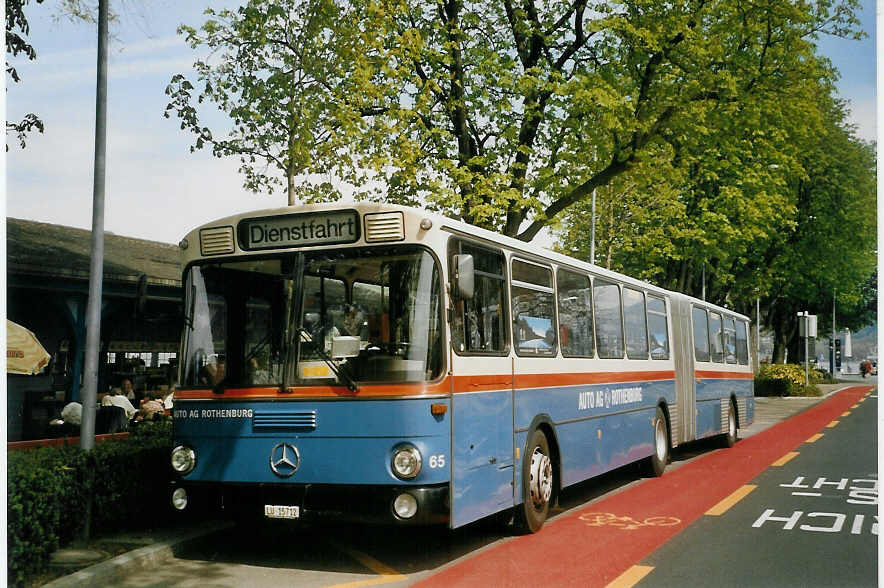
column 608, row 321
column 636, row 324
column 716, row 346
column 479, row 324
column 575, row 314
column 742, row 344
column 659, row 332
column 701, row 334
column 534, row 330
column 730, row 341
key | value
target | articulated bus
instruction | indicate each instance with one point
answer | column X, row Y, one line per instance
column 377, row 363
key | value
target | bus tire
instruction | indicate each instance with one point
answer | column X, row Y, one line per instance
column 537, row 484
column 660, row 457
column 729, row 439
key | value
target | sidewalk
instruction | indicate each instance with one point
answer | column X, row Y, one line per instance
column 144, row 550
column 770, row 410
column 147, row 549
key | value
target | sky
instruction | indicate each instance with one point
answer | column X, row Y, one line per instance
column 155, row 188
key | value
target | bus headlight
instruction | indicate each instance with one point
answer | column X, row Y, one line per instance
column 406, row 461
column 179, row 499
column 405, row 506
column 183, row 459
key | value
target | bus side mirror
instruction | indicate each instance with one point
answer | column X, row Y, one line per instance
column 464, row 276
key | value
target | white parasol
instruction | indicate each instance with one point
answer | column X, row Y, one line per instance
column 24, row 354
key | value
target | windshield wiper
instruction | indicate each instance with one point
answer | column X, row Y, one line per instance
column 342, row 375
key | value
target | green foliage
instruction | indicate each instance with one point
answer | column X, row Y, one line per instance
column 765, row 193
column 277, row 71
column 509, row 115
column 48, row 489
column 17, row 30
column 786, row 380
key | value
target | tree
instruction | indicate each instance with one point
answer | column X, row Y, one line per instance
column 832, row 248
column 17, row 29
column 277, row 70
column 508, row 114
column 791, row 234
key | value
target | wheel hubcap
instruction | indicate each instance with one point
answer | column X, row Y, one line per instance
column 660, row 439
column 540, row 485
column 731, row 424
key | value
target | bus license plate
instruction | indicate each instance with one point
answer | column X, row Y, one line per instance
column 274, row 511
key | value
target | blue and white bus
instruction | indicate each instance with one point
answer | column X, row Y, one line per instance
column 373, row 362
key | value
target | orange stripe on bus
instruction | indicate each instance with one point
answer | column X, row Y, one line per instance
column 461, row 384
column 441, row 387
column 576, row 379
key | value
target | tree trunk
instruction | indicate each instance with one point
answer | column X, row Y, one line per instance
column 779, row 347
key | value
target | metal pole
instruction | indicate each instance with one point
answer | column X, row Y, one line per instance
column 93, row 310
column 806, row 337
column 832, row 340
column 703, row 297
column 757, row 335
column 592, row 231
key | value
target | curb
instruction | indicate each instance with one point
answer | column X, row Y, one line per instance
column 115, row 569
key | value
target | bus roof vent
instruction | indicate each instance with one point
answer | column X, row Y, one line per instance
column 216, row 241
column 384, row 226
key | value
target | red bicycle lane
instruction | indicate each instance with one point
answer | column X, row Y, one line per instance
column 594, row 545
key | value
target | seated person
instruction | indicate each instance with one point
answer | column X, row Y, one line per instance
column 213, row 373
column 151, row 407
column 127, row 389
column 256, row 374
column 354, row 323
column 116, row 398
column 72, row 413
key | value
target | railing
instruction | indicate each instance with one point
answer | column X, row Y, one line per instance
column 61, row 441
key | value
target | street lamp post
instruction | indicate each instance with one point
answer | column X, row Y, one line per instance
column 96, row 265
column 592, row 232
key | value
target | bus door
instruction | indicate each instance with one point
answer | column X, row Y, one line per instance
column 482, row 444
column 482, row 399
column 686, row 386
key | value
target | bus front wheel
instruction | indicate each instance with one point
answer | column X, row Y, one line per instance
column 537, row 485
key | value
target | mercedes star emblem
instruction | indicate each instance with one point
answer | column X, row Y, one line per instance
column 284, row 459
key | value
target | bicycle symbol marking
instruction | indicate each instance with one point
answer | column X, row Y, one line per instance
column 627, row 523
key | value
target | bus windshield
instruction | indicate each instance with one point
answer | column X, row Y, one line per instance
column 334, row 317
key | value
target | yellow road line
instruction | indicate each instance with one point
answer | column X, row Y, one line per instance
column 854, row 406
column 785, row 459
column 386, row 573
column 723, row 506
column 631, row 577
column 815, row 438
column 845, row 414
column 832, row 425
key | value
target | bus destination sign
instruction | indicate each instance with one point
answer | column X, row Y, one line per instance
column 299, row 230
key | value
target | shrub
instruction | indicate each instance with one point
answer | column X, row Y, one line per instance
column 48, row 490
column 786, row 380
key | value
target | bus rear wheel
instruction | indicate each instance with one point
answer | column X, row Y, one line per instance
column 660, row 457
column 537, row 485
column 729, row 439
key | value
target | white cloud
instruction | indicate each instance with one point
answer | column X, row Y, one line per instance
column 863, row 114
column 154, row 189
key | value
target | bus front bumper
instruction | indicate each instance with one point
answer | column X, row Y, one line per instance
column 320, row 502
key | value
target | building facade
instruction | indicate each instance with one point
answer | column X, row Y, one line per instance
column 47, row 292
